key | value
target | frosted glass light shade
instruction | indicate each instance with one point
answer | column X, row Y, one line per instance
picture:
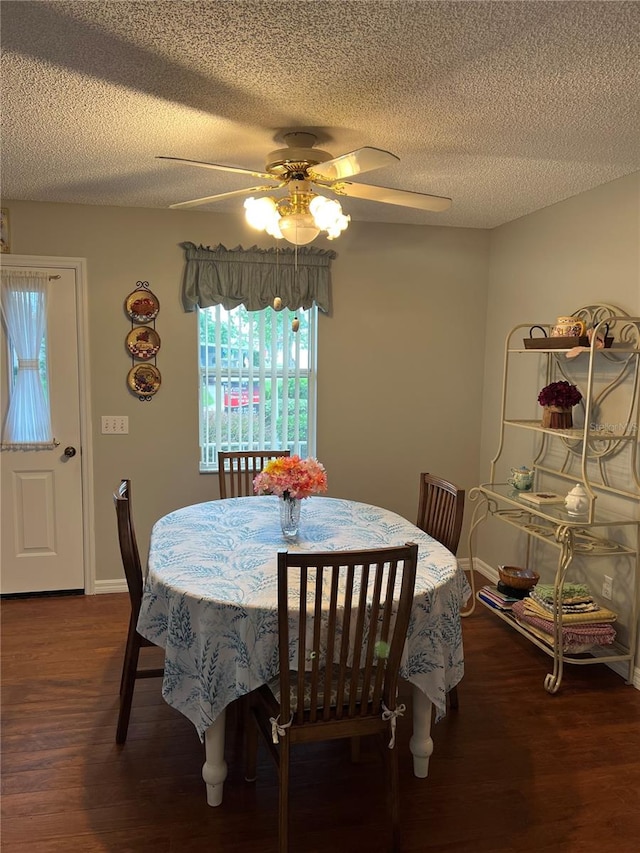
column 262, row 214
column 298, row 228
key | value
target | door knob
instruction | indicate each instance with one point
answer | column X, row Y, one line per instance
column 69, row 451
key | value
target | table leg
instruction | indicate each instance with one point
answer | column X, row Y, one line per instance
column 421, row 744
column 214, row 769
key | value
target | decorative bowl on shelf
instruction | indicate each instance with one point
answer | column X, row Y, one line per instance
column 518, row 578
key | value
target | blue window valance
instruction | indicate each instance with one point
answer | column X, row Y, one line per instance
column 254, row 277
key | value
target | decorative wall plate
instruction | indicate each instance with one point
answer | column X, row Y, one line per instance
column 144, row 379
column 142, row 306
column 143, row 342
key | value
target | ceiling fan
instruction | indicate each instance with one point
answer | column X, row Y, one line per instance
column 300, row 215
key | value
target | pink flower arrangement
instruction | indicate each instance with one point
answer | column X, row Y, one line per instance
column 560, row 394
column 291, row 477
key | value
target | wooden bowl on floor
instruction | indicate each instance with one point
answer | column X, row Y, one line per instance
column 518, row 578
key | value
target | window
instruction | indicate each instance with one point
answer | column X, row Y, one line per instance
column 43, row 366
column 257, row 381
column 257, row 375
column 24, row 310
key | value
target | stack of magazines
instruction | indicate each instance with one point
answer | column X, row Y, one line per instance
column 496, row 598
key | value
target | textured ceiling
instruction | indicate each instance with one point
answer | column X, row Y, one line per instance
column 506, row 107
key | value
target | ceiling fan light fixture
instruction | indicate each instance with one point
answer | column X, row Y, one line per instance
column 338, row 227
column 328, row 215
column 263, row 214
column 298, row 228
column 298, row 218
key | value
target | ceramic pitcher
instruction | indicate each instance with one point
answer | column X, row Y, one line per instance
column 568, row 327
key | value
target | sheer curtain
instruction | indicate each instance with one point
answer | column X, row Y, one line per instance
column 24, row 311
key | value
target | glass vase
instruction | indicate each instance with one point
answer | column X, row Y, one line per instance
column 290, row 516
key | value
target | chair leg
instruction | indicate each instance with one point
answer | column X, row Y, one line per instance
column 393, row 793
column 240, row 708
column 251, row 742
column 453, row 698
column 283, row 808
column 127, row 652
column 128, row 683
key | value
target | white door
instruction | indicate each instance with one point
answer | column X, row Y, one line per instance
column 43, row 524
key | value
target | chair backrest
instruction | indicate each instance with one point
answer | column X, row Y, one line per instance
column 440, row 510
column 128, row 545
column 238, row 468
column 351, row 612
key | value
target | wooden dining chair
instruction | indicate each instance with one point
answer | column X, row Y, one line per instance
column 440, row 513
column 238, row 468
column 135, row 641
column 349, row 635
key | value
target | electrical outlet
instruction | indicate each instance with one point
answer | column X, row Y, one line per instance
column 607, row 588
column 115, row 425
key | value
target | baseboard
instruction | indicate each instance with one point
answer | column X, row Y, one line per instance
column 484, row 568
column 116, row 585
column 492, row 575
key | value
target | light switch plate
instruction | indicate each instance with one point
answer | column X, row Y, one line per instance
column 115, row 425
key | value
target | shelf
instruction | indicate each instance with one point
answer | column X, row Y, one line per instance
column 601, row 453
column 556, row 513
column 599, row 654
column 584, row 545
column 577, row 434
column 614, row 349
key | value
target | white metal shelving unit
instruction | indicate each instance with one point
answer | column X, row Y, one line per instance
column 591, row 449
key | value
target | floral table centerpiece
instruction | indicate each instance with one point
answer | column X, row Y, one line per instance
column 557, row 400
column 292, row 479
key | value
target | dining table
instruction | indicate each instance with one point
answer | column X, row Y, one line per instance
column 210, row 600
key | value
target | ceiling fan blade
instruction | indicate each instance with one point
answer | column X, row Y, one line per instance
column 353, row 163
column 404, row 198
column 246, row 191
column 220, row 167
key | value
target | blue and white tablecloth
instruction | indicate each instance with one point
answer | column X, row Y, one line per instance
column 210, row 597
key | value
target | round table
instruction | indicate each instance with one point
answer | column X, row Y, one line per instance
column 210, row 600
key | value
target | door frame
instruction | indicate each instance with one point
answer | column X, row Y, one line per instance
column 79, row 265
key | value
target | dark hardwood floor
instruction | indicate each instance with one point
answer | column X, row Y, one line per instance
column 515, row 769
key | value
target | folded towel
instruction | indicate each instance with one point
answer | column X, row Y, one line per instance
column 568, row 647
column 572, row 605
column 573, row 636
column 570, row 591
column 599, row 615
